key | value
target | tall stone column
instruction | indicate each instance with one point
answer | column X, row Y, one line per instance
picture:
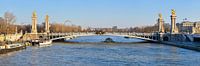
column 34, row 23
column 47, row 24
column 173, row 23
column 161, row 28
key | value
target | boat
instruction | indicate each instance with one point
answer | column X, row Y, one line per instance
column 45, row 43
column 5, row 48
column 35, row 42
column 41, row 42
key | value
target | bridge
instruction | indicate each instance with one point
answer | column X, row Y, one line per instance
column 65, row 36
column 153, row 37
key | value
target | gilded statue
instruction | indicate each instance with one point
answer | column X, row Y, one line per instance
column 34, row 14
column 160, row 15
column 173, row 12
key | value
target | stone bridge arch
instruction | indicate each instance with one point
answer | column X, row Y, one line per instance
column 166, row 37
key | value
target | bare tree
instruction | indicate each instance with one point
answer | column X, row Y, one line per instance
column 9, row 17
column 9, row 20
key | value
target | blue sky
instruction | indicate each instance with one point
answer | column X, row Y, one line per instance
column 102, row 13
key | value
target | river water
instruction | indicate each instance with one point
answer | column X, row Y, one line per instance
column 102, row 54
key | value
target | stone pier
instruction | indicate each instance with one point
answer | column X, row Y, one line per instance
column 34, row 23
column 161, row 28
column 174, row 28
column 33, row 34
column 47, row 24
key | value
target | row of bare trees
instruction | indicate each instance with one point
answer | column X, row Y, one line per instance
column 54, row 28
column 59, row 27
column 7, row 23
column 8, row 26
column 151, row 29
column 143, row 29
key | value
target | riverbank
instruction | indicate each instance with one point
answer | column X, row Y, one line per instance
column 186, row 45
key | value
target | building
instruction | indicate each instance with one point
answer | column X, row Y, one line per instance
column 186, row 27
column 189, row 27
column 114, row 29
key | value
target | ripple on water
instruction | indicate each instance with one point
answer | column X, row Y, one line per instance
column 61, row 54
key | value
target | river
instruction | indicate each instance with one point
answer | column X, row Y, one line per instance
column 102, row 54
